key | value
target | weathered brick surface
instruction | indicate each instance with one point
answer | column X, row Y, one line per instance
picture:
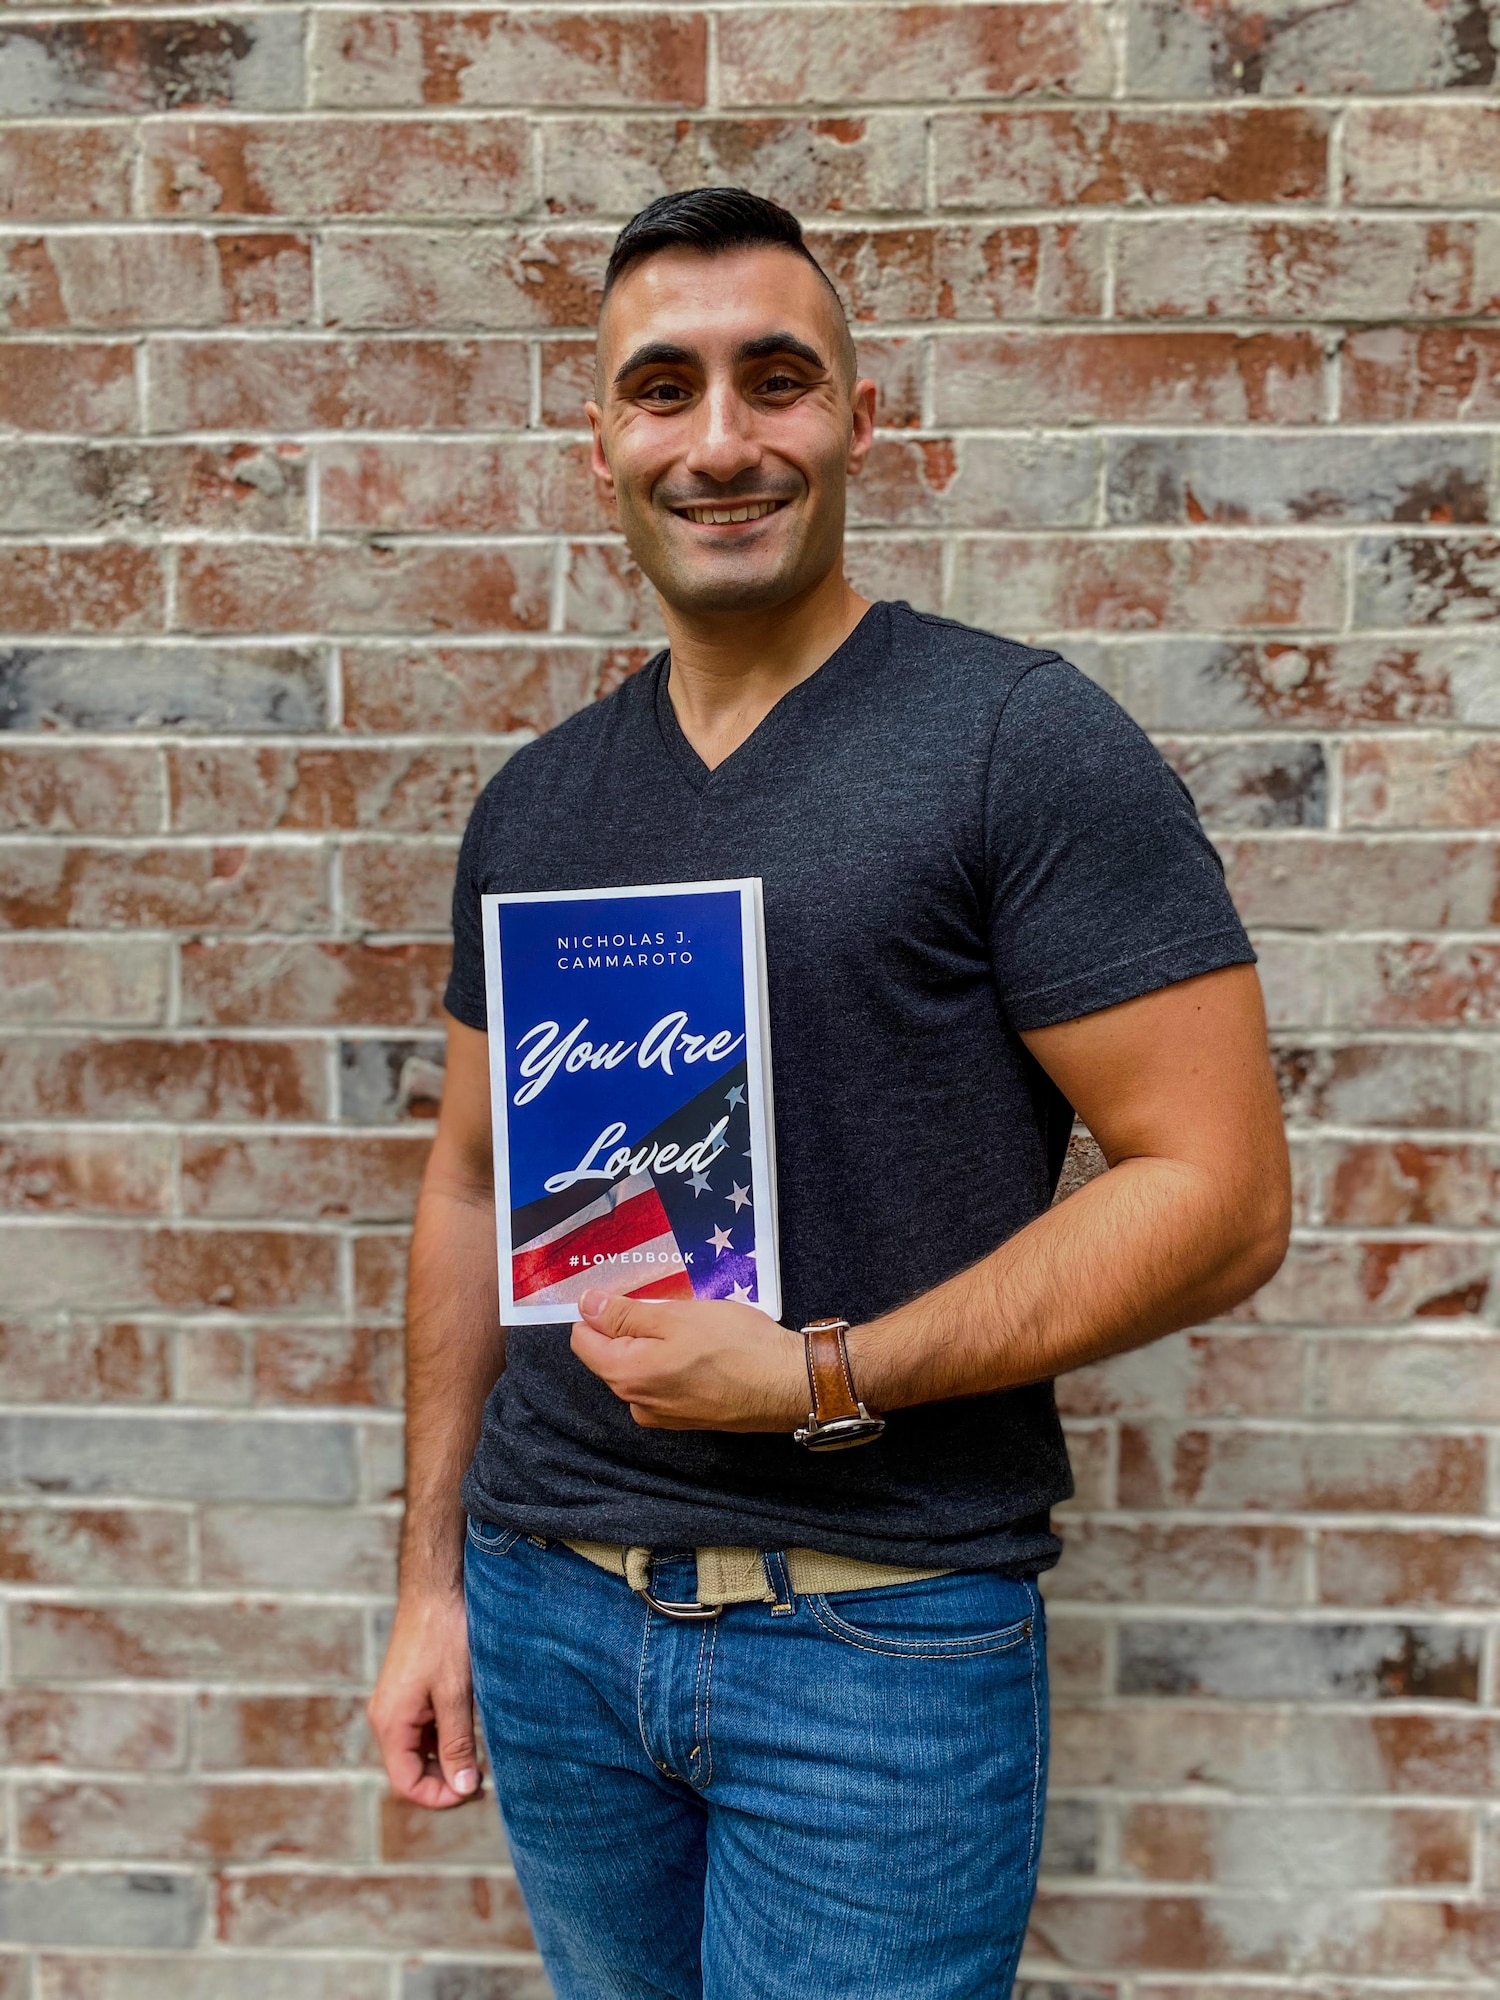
column 1181, row 321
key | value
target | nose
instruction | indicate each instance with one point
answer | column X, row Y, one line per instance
column 722, row 446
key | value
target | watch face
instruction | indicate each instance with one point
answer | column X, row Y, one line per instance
column 841, row 1432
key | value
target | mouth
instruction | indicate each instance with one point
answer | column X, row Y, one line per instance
column 729, row 517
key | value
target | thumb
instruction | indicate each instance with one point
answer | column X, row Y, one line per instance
column 453, row 1725
column 607, row 1312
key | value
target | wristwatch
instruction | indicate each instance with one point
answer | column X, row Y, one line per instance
column 837, row 1417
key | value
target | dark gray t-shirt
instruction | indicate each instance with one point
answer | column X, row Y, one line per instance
column 959, row 838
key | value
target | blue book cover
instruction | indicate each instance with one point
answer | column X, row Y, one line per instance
column 630, row 1079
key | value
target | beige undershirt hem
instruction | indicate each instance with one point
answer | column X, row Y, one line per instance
column 738, row 1576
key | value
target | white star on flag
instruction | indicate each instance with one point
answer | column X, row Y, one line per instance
column 740, row 1196
column 734, row 1095
column 720, row 1241
column 740, row 1295
column 698, row 1182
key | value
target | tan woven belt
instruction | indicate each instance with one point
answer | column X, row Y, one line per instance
column 738, row 1576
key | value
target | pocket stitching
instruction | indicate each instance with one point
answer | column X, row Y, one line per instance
column 947, row 1649
column 499, row 1545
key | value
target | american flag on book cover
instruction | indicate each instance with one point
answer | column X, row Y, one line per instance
column 652, row 1235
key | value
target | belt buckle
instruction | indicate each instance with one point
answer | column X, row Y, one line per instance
column 688, row 1613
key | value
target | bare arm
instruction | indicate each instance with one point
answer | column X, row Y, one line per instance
column 1192, row 1217
column 422, row 1707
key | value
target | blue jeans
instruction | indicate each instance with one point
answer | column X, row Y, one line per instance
column 806, row 1800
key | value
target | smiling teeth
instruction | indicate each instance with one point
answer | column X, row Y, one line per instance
column 719, row 517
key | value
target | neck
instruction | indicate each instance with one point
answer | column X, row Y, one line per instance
column 729, row 669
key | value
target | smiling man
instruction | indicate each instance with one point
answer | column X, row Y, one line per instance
column 769, row 1720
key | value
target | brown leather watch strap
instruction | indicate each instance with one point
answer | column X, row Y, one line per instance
column 828, row 1371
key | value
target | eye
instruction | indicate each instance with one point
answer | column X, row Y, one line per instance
column 663, row 394
column 779, row 384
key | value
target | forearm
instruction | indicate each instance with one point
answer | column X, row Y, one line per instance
column 455, row 1352
column 1151, row 1246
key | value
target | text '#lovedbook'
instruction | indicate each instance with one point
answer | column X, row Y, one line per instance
column 631, row 1087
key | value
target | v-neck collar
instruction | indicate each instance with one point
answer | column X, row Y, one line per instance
column 681, row 751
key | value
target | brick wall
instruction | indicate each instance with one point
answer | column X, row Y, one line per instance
column 1179, row 314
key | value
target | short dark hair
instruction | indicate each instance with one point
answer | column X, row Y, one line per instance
column 713, row 220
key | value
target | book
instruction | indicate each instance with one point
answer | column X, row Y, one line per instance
column 630, row 1081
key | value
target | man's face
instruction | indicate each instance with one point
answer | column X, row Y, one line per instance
column 726, row 425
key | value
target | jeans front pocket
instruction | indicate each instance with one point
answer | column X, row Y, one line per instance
column 941, row 1618
column 491, row 1538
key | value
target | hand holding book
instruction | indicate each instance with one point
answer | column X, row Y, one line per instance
column 699, row 1365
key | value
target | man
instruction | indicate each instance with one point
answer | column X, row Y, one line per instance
column 766, row 1720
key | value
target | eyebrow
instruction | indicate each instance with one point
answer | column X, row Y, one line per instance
column 667, row 353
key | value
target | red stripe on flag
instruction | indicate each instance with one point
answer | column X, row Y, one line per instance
column 633, row 1222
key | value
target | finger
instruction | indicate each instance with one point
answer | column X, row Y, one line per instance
column 405, row 1739
column 595, row 1350
column 609, row 1313
column 454, row 1724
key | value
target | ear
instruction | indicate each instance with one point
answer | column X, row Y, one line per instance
column 862, row 432
column 598, row 461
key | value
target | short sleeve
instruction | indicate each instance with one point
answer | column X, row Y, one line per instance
column 464, row 995
column 1102, row 884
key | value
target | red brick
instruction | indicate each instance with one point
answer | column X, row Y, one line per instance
column 1416, row 983
column 1424, row 580
column 82, row 1172
column 180, row 1821
column 242, row 985
column 1131, row 585
column 787, row 56
column 136, row 65
column 213, row 1365
column 1350, row 1281
column 362, row 588
column 64, row 173
column 61, row 1361
column 1421, row 156
column 1354, row 267
column 1108, row 1562
column 399, row 885
column 137, row 1078
column 1191, row 1374
column 874, row 163
column 525, row 487
column 106, row 588
column 79, row 791
column 338, row 166
column 414, row 789
column 481, row 690
column 371, row 1177
column 412, row 1835
column 1073, row 376
column 1299, row 1471
column 144, row 278
column 1090, row 1453
column 360, row 1365
column 1308, row 684
column 103, row 1548
column 86, row 1267
column 1306, row 1848
column 349, row 384
column 1426, row 374
column 567, row 59
column 976, row 482
column 114, row 489
column 1386, row 1083
column 1185, row 1933
column 1440, row 1380
column 63, row 981
column 207, row 1976
column 380, row 1271
column 68, row 386
column 501, row 280
column 1379, row 1566
column 395, row 1912
column 1047, row 158
column 606, row 593
column 164, row 1640
column 1364, row 884
column 1021, row 270
column 1281, row 48
column 223, row 888
column 283, row 1732
column 102, row 1732
column 1406, row 1184
column 1419, row 781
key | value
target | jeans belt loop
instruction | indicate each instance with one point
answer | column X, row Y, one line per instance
column 779, row 1578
